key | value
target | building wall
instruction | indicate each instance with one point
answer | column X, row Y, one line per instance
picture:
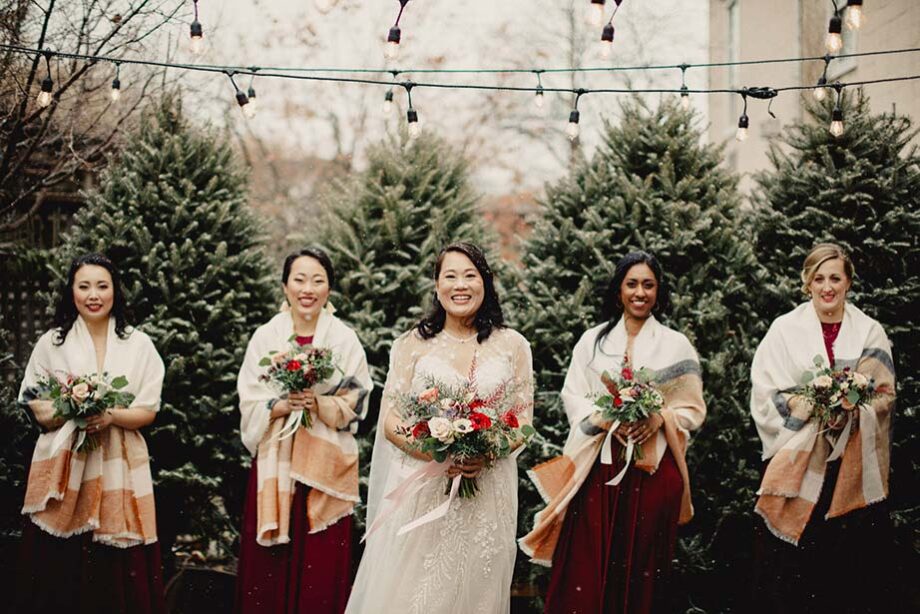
column 754, row 29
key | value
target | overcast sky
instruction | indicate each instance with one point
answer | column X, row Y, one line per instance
column 513, row 147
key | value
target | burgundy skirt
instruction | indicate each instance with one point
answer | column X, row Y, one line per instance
column 77, row 575
column 310, row 574
column 617, row 542
column 842, row 565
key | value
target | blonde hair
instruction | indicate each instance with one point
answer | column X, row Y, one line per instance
column 819, row 254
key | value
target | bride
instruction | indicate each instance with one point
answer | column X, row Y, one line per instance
column 461, row 562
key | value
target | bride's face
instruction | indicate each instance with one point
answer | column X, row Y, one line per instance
column 459, row 286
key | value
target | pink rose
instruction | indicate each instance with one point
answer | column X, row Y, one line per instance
column 80, row 392
column 428, row 396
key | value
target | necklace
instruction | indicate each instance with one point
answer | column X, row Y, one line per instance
column 458, row 339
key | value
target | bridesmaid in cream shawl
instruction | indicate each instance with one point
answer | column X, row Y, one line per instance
column 295, row 545
column 822, row 515
column 91, row 544
column 611, row 542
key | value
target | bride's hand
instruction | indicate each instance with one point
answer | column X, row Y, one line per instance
column 469, row 468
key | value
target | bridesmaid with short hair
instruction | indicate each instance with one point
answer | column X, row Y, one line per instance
column 295, row 544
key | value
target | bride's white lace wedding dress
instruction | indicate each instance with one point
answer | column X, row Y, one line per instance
column 463, row 562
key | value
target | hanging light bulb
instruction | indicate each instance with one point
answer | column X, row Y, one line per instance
column 414, row 128
column 572, row 130
column 607, row 41
column 116, row 89
column 538, row 99
column 253, row 106
column 44, row 97
column 391, row 51
column 742, row 133
column 820, row 93
column 854, row 14
column 387, row 107
column 596, row 12
column 243, row 100
column 684, row 98
column 197, row 35
column 833, row 42
column 836, row 128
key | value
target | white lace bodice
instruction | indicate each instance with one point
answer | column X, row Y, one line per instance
column 464, row 561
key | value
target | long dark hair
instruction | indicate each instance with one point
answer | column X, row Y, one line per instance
column 488, row 317
column 315, row 253
column 66, row 312
column 612, row 307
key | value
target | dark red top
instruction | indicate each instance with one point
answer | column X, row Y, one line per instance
column 830, row 330
column 307, row 340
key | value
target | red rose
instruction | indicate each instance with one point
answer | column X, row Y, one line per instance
column 420, row 430
column 510, row 419
column 480, row 421
column 293, row 366
column 627, row 373
column 617, row 402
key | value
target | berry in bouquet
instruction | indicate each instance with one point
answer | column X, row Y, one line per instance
column 455, row 422
column 297, row 369
column 77, row 397
column 835, row 394
column 631, row 396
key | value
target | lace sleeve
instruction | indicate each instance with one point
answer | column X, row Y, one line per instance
column 522, row 365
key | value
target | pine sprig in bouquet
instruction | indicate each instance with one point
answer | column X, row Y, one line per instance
column 77, row 397
column 297, row 369
column 835, row 394
column 455, row 421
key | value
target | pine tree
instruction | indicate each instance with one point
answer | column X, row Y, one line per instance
column 383, row 229
column 20, row 437
column 171, row 213
column 861, row 190
column 652, row 185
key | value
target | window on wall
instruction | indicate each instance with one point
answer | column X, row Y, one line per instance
column 842, row 66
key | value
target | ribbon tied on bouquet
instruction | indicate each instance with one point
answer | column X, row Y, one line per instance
column 607, row 454
column 64, row 433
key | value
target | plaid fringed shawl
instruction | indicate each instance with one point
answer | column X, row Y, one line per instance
column 677, row 372
column 107, row 490
column 323, row 457
column 798, row 453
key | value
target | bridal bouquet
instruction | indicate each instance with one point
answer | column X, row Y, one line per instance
column 297, row 369
column 455, row 421
column 77, row 397
column 630, row 397
column 834, row 394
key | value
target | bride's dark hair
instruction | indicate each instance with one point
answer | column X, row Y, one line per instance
column 488, row 317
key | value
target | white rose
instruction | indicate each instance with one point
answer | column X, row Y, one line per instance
column 462, row 425
column 80, row 392
column 860, row 380
column 823, row 381
column 446, row 404
column 441, row 429
column 301, row 358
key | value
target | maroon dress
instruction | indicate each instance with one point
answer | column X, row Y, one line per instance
column 815, row 577
column 309, row 575
column 79, row 576
column 617, row 542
